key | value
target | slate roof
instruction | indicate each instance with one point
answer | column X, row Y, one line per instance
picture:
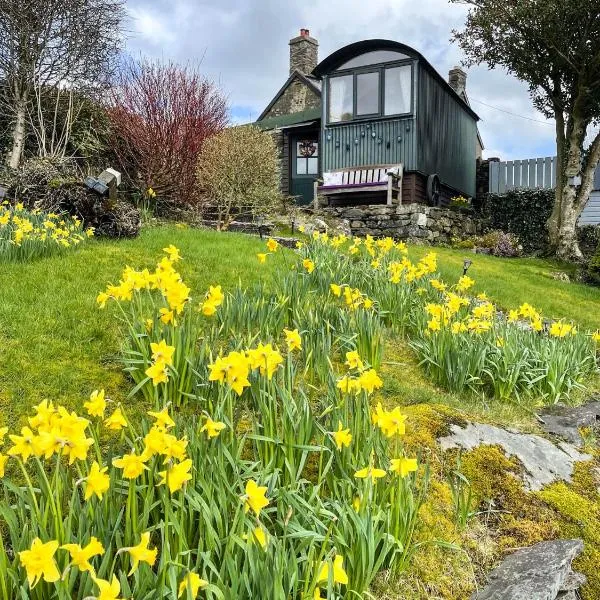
column 309, row 115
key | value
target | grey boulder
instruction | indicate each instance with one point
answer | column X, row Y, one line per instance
column 540, row 572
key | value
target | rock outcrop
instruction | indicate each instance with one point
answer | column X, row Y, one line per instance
column 540, row 572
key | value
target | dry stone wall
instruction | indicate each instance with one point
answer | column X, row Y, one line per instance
column 410, row 221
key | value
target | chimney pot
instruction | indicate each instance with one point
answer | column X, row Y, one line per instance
column 305, row 32
column 457, row 79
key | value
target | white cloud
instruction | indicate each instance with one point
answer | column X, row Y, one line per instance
column 243, row 46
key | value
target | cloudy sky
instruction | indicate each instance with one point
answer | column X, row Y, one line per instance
column 243, row 46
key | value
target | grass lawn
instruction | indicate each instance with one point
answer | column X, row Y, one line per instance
column 57, row 345
column 55, row 342
column 510, row 282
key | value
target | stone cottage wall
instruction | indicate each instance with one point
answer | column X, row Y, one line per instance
column 297, row 97
column 409, row 221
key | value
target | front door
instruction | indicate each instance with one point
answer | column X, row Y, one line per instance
column 304, row 149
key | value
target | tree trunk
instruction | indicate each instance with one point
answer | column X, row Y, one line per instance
column 18, row 133
column 553, row 222
column 567, row 245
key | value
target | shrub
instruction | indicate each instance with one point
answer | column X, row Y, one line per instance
column 161, row 114
column 500, row 243
column 238, row 169
column 592, row 271
column 588, row 237
column 522, row 212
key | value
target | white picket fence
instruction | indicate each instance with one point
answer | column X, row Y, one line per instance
column 539, row 173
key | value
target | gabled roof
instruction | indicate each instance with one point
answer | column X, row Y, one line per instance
column 339, row 57
column 300, row 118
column 311, row 82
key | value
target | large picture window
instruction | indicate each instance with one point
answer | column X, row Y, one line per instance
column 367, row 93
column 370, row 92
column 397, row 90
column 341, row 98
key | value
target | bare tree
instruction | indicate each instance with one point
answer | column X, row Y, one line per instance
column 48, row 44
column 161, row 115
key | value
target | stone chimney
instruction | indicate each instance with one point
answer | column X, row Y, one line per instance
column 304, row 52
column 457, row 79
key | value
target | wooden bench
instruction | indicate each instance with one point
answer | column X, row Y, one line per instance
column 369, row 178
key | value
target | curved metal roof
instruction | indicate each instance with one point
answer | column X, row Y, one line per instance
column 339, row 57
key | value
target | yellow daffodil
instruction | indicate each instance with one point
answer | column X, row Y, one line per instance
column 172, row 252
column 262, row 257
column 434, row 325
column 132, row 464
column 309, row 265
column 403, row 466
column 272, row 245
column 339, row 574
column 167, row 316
column 391, row 422
column 96, row 404
column 258, row 535
column 353, row 360
column 97, row 482
column 342, row 437
column 176, row 476
column 464, row 283
column 108, row 590
column 80, row 557
column 208, row 308
column 336, row 290
column 293, row 339
column 561, row 330
column 348, row 385
column 162, row 352
column 142, row 553
column 116, row 421
column 39, row 562
column 3, row 459
column 158, row 372
column 596, row 336
column 255, row 498
column 369, row 473
column 24, row 445
column 212, row 428
column 369, row 381
column 162, row 418
column 192, row 583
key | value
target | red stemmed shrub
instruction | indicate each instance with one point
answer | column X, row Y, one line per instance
column 161, row 114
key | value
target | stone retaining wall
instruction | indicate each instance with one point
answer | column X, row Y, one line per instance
column 409, row 221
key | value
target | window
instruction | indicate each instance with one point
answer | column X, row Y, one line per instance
column 397, row 90
column 373, row 58
column 341, row 98
column 373, row 92
column 367, row 93
column 307, row 157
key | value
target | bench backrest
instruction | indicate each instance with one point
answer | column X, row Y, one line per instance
column 369, row 174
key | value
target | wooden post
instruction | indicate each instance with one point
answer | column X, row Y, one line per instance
column 389, row 188
column 400, row 180
column 315, row 194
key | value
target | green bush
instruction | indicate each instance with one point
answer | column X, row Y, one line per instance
column 523, row 213
column 593, row 267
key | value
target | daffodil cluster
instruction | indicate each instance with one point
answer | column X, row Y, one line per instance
column 235, row 368
column 358, row 378
column 28, row 234
column 408, row 272
column 353, row 297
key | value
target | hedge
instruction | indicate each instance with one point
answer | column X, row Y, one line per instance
column 523, row 212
